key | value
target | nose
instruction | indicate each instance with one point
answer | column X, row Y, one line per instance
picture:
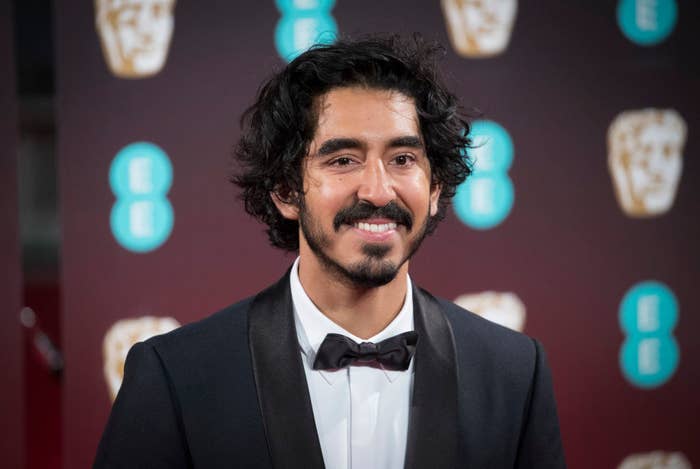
column 377, row 185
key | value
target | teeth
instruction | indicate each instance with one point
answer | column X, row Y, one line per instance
column 375, row 228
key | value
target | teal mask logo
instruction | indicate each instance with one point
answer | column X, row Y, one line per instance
column 647, row 22
column 303, row 24
column 140, row 177
column 485, row 199
column 648, row 314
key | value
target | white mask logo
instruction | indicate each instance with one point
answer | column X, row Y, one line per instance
column 645, row 160
column 121, row 337
column 135, row 35
column 479, row 28
column 505, row 309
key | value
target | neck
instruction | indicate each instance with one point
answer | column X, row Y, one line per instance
column 362, row 311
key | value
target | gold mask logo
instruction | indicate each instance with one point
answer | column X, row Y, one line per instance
column 505, row 309
column 135, row 35
column 121, row 337
column 655, row 460
column 479, row 28
column 645, row 160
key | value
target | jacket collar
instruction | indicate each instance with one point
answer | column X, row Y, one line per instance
column 283, row 394
column 432, row 432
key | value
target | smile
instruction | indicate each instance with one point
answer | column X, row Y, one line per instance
column 375, row 228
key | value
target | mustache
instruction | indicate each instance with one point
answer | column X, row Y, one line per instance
column 364, row 210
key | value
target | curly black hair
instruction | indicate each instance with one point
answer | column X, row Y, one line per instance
column 278, row 127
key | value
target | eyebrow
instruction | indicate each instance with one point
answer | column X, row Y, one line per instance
column 335, row 144
column 410, row 141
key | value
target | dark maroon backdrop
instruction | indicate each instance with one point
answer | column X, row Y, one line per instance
column 566, row 249
column 11, row 395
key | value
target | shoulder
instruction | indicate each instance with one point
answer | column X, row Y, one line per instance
column 466, row 324
column 479, row 339
column 221, row 323
column 201, row 344
column 222, row 335
column 504, row 385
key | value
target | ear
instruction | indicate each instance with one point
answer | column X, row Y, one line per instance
column 287, row 207
column 435, row 191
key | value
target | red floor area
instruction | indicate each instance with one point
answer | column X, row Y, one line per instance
column 42, row 388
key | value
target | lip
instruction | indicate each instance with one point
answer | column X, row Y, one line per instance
column 371, row 236
column 376, row 221
column 374, row 237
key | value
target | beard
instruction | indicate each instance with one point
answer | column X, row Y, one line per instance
column 374, row 270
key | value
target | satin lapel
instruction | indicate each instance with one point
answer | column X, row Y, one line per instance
column 283, row 394
column 432, row 433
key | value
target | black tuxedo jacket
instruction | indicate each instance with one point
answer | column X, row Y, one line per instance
column 230, row 391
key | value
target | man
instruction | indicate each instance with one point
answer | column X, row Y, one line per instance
column 350, row 155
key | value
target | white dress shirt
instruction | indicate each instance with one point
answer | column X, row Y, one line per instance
column 361, row 413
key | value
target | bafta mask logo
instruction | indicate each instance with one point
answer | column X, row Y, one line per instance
column 656, row 460
column 505, row 309
column 645, row 160
column 121, row 337
column 479, row 28
column 135, row 35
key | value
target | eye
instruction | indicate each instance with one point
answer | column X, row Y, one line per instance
column 341, row 161
column 404, row 160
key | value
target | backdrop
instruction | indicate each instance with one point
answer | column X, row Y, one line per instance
column 11, row 359
column 581, row 218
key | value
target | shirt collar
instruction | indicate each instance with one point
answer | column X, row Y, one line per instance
column 312, row 326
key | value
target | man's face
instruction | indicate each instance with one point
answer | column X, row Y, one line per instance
column 367, row 186
column 135, row 34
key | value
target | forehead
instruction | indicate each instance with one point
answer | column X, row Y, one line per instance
column 365, row 113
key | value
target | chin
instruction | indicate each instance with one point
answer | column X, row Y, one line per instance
column 371, row 273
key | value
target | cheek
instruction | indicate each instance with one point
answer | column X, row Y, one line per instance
column 417, row 191
column 327, row 196
column 328, row 191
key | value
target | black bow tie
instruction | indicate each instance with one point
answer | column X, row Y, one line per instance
column 337, row 351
